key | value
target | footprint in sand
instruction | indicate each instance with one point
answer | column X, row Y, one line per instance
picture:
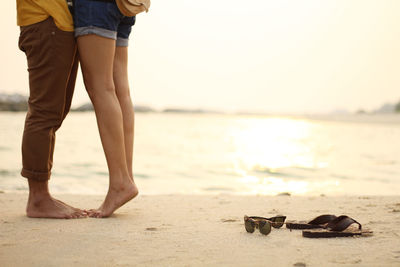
column 379, row 222
column 229, row 220
column 347, row 261
column 8, row 244
column 393, row 207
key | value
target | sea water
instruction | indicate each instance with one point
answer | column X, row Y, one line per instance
column 221, row 153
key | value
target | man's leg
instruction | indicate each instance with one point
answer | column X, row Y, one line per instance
column 52, row 66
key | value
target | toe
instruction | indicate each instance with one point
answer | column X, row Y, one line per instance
column 91, row 211
column 92, row 214
column 79, row 215
column 82, row 213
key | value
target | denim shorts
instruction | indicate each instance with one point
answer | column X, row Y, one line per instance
column 102, row 18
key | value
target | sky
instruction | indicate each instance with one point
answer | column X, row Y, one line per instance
column 285, row 56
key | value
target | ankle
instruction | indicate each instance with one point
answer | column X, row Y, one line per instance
column 37, row 199
column 121, row 185
column 38, row 188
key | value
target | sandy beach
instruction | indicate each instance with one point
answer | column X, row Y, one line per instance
column 182, row 230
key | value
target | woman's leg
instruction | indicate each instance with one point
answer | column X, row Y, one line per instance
column 97, row 58
column 120, row 74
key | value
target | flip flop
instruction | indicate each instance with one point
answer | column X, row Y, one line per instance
column 318, row 222
column 339, row 227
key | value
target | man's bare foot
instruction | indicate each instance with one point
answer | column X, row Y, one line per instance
column 44, row 206
column 115, row 198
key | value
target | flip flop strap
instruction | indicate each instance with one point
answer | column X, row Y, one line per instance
column 322, row 219
column 342, row 223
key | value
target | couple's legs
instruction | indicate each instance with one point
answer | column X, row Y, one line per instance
column 104, row 69
column 52, row 64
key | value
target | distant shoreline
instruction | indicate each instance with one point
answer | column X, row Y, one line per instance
column 376, row 118
column 19, row 103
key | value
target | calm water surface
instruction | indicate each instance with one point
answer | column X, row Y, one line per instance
column 206, row 153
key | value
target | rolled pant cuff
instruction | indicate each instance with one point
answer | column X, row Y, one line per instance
column 38, row 176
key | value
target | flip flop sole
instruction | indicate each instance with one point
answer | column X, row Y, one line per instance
column 329, row 234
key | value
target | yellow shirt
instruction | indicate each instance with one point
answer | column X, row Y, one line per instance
column 34, row 11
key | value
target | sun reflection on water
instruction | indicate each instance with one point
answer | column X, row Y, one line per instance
column 272, row 152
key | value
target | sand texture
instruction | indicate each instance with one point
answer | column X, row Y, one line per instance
column 179, row 230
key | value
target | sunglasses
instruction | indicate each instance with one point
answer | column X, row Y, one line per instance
column 263, row 224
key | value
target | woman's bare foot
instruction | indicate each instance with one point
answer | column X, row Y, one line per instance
column 45, row 206
column 115, row 198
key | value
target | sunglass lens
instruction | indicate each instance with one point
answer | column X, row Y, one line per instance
column 265, row 227
column 278, row 222
column 249, row 225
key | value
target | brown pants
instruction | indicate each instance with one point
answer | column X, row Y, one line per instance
column 52, row 65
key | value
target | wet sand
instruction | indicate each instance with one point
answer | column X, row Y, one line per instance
column 181, row 230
